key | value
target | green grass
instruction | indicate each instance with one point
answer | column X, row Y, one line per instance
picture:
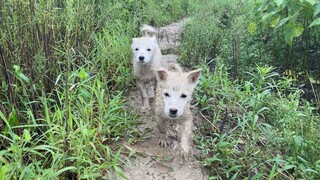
column 65, row 66
column 80, row 144
column 256, row 130
column 256, row 125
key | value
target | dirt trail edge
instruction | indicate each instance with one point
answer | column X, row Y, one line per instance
column 150, row 162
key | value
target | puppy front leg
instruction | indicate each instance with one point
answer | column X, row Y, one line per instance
column 144, row 95
column 163, row 139
column 186, row 133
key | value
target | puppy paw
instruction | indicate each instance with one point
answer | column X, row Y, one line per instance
column 185, row 153
column 163, row 143
column 145, row 107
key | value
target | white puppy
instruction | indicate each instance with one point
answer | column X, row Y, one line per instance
column 172, row 106
column 147, row 57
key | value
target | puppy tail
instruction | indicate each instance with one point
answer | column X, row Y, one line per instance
column 174, row 67
column 147, row 30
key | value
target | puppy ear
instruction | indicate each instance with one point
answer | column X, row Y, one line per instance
column 161, row 74
column 154, row 38
column 133, row 41
column 174, row 67
column 193, row 76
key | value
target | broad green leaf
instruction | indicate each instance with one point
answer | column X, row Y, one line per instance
column 263, row 7
column 279, row 2
column 316, row 22
column 16, row 68
column 15, row 136
column 267, row 16
column 23, row 77
column 283, row 21
column 298, row 140
column 26, row 134
column 18, row 72
column 83, row 74
column 252, row 28
column 291, row 31
column 12, row 120
column 312, row 2
column 316, row 10
column 274, row 21
column 307, row 10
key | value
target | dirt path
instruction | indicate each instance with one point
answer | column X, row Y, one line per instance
column 150, row 162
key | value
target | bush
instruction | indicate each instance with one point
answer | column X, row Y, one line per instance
column 256, row 130
column 65, row 67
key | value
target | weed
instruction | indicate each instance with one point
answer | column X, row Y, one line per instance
column 263, row 132
column 65, row 66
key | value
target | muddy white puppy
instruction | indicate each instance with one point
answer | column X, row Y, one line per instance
column 147, row 58
column 172, row 107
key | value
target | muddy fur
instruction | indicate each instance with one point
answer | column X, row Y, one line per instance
column 172, row 107
column 147, row 57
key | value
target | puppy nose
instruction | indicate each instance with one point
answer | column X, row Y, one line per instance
column 141, row 58
column 173, row 111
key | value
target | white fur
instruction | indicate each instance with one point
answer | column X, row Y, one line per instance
column 173, row 96
column 146, row 49
column 177, row 88
column 147, row 30
column 147, row 57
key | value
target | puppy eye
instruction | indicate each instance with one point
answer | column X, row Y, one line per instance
column 183, row 96
column 166, row 94
column 148, row 49
column 137, row 49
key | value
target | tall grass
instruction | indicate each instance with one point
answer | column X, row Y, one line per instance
column 256, row 124
column 65, row 66
column 256, row 130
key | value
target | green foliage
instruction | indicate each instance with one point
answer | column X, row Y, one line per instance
column 257, row 123
column 204, row 32
column 244, row 34
column 94, row 122
column 292, row 30
column 287, row 13
column 65, row 66
column 197, row 31
column 256, row 130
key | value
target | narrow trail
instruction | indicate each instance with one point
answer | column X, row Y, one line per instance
column 150, row 162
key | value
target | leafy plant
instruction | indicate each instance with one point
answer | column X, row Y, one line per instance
column 65, row 66
column 285, row 13
column 252, row 129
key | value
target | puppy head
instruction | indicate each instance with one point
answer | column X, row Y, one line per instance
column 177, row 88
column 144, row 49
